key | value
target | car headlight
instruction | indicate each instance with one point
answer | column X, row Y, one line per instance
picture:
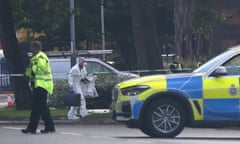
column 135, row 90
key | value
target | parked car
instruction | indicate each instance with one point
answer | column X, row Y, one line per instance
column 61, row 66
column 162, row 105
column 107, row 77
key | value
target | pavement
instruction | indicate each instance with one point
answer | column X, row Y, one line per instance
column 91, row 119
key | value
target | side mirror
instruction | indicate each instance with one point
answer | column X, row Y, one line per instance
column 220, row 71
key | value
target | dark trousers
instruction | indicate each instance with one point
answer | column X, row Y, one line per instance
column 40, row 110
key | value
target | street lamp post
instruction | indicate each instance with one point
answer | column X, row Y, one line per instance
column 102, row 25
column 72, row 33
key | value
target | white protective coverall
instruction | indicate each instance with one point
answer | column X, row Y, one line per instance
column 74, row 79
column 88, row 89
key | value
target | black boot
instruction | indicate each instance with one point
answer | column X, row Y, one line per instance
column 47, row 131
column 26, row 131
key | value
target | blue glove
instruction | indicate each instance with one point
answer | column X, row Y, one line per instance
column 71, row 89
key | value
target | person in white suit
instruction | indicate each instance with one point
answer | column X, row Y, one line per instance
column 77, row 78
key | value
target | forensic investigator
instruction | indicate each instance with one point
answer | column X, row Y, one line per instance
column 76, row 79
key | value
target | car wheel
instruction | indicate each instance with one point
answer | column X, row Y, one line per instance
column 164, row 118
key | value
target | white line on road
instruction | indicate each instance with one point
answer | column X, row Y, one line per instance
column 13, row 128
column 102, row 137
column 70, row 133
column 145, row 142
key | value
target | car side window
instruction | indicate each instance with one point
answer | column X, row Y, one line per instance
column 94, row 67
column 233, row 66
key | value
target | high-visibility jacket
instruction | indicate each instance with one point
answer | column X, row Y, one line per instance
column 199, row 64
column 39, row 71
column 176, row 67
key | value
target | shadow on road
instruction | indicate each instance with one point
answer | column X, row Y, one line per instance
column 208, row 138
column 133, row 137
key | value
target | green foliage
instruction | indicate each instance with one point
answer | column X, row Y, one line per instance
column 205, row 17
column 8, row 113
column 60, row 88
column 52, row 17
column 49, row 16
column 107, row 80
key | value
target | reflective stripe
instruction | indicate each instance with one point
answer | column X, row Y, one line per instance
column 197, row 108
column 43, row 79
column 43, row 71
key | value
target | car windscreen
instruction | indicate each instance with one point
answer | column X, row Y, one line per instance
column 95, row 67
column 212, row 62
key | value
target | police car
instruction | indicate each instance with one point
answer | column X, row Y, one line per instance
column 162, row 105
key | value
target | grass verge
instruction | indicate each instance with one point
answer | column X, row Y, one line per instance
column 12, row 113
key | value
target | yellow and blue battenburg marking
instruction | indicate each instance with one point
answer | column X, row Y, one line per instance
column 191, row 88
column 221, row 98
column 210, row 98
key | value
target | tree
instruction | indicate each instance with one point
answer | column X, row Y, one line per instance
column 13, row 56
column 206, row 17
column 118, row 24
column 184, row 30
column 195, row 21
column 48, row 16
column 52, row 18
column 145, row 35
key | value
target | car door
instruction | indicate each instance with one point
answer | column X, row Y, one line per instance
column 221, row 94
column 97, row 68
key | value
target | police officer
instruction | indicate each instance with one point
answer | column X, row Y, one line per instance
column 176, row 66
column 39, row 72
column 202, row 60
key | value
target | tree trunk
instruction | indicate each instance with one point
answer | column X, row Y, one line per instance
column 185, row 37
column 14, row 57
column 145, row 36
column 127, row 51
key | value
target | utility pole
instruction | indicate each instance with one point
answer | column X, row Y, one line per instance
column 72, row 33
column 102, row 25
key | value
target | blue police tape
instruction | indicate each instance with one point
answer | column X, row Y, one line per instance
column 11, row 75
column 131, row 71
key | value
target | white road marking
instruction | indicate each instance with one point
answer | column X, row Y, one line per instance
column 71, row 133
column 79, row 134
column 102, row 137
column 139, row 141
column 13, row 128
